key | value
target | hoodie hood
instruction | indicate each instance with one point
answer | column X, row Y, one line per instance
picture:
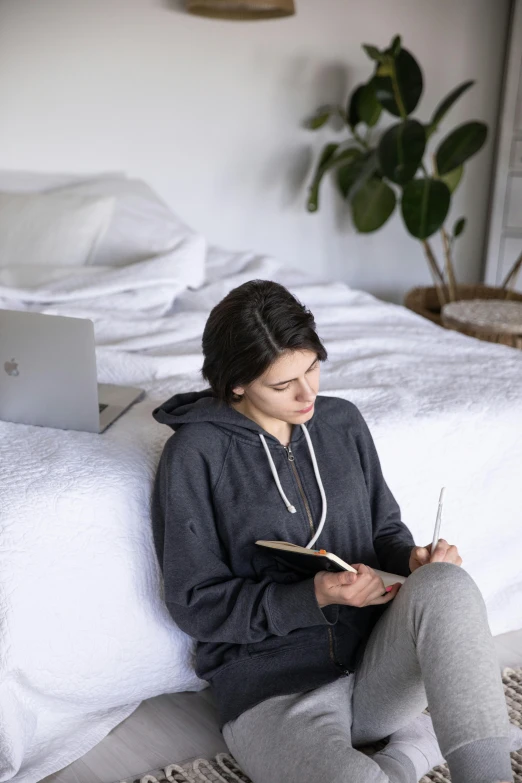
column 202, row 406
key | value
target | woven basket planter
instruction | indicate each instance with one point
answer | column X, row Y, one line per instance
column 424, row 301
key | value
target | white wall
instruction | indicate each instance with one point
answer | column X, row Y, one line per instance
column 210, row 112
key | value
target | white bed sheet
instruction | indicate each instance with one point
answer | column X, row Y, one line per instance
column 84, row 633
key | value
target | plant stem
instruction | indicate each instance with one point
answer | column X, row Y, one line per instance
column 512, row 276
column 432, row 261
column 446, row 245
column 437, row 275
column 452, row 283
column 397, row 93
column 360, row 139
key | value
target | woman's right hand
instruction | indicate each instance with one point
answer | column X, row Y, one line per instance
column 365, row 588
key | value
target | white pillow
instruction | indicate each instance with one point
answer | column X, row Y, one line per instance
column 142, row 225
column 51, row 228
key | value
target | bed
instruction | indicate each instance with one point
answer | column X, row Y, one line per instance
column 84, row 633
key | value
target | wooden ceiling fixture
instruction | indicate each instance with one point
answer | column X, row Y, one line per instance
column 241, row 9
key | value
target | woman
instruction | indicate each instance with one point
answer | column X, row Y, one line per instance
column 305, row 669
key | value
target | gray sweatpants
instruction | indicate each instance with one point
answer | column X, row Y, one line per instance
column 431, row 647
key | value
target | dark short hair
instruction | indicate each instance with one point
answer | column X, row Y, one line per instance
column 249, row 329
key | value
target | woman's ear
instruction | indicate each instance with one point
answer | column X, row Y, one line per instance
column 239, row 390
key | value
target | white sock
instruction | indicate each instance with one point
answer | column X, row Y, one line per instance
column 418, row 742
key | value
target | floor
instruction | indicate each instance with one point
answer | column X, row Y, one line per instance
column 177, row 727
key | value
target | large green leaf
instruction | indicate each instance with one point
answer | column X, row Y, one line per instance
column 452, row 178
column 401, row 149
column 327, row 160
column 350, row 173
column 364, row 167
column 425, row 204
column 460, row 145
column 368, row 107
column 446, row 104
column 372, row 205
column 400, row 94
column 352, row 110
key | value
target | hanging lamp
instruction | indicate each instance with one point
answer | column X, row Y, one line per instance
column 241, row 9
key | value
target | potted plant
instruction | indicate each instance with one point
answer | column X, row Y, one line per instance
column 375, row 175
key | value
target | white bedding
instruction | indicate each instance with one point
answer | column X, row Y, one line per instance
column 84, row 634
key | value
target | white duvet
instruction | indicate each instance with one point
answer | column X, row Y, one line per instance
column 84, row 634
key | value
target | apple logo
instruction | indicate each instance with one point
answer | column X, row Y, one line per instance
column 11, row 367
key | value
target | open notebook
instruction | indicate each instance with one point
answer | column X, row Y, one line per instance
column 310, row 561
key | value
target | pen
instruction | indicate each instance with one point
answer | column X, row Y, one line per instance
column 437, row 521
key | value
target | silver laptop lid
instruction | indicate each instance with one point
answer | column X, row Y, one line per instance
column 48, row 371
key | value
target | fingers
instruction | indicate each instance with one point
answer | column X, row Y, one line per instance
column 345, row 577
column 422, row 554
column 357, row 584
column 452, row 555
column 387, row 597
column 364, row 588
column 439, row 553
column 444, row 552
column 367, row 586
column 331, row 581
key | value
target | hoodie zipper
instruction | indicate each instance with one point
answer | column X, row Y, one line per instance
column 339, row 665
column 291, row 460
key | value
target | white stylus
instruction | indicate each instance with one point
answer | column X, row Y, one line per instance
column 437, row 522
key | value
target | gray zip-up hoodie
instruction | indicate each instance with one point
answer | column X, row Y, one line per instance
column 224, row 482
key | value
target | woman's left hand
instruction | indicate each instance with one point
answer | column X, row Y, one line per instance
column 444, row 552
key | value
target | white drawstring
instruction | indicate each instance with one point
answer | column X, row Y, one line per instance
column 287, row 503
column 289, row 506
column 321, row 488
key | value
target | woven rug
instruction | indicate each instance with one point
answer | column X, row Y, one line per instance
column 224, row 768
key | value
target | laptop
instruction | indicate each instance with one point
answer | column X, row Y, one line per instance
column 48, row 374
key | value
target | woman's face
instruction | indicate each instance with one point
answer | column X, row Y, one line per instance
column 287, row 390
